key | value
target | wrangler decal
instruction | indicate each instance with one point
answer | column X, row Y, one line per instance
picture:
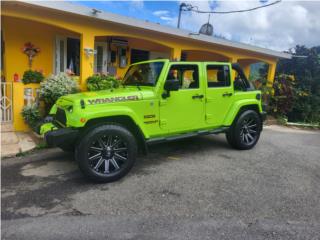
column 112, row 99
column 149, row 116
column 150, row 122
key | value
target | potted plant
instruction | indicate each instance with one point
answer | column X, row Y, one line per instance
column 32, row 76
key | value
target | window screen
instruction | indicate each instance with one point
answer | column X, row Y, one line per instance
column 188, row 75
column 138, row 55
column 218, row 76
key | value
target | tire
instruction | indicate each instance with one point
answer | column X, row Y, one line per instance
column 69, row 149
column 106, row 153
column 230, row 139
column 245, row 131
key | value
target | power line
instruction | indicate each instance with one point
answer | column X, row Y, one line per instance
column 195, row 9
column 189, row 7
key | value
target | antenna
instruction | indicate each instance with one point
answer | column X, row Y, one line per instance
column 207, row 28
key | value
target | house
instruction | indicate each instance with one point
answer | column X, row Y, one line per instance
column 88, row 41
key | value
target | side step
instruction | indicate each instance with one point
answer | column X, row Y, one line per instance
column 186, row 135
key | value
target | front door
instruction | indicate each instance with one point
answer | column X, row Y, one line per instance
column 183, row 110
column 101, row 57
column 219, row 93
column 60, row 54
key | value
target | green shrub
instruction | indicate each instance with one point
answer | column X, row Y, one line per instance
column 31, row 115
column 306, row 108
column 55, row 87
column 279, row 98
column 102, row 82
column 31, row 76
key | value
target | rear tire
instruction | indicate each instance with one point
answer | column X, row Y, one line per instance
column 245, row 131
column 106, row 153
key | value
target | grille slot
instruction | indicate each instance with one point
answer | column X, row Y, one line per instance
column 60, row 117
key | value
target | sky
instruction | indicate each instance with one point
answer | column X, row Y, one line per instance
column 279, row 27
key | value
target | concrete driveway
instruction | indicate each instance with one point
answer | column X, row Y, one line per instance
column 198, row 188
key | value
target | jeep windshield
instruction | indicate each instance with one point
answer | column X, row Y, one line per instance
column 144, row 74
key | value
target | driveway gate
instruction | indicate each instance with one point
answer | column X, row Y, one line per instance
column 6, row 102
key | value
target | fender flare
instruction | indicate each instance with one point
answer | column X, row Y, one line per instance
column 119, row 111
column 236, row 108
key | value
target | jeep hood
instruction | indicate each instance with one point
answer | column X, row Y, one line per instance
column 129, row 93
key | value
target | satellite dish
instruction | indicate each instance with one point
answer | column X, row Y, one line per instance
column 206, row 29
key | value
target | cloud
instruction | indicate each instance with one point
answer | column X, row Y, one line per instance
column 160, row 13
column 166, row 18
column 164, row 15
column 278, row 27
column 138, row 4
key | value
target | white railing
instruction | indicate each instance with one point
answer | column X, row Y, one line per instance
column 6, row 102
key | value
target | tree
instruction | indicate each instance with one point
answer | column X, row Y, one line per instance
column 305, row 67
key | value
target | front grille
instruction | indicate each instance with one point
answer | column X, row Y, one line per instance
column 60, row 117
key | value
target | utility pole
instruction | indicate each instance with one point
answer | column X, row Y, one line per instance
column 182, row 5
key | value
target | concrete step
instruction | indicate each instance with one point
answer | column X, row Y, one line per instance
column 10, row 150
column 9, row 138
column 13, row 143
column 7, row 127
column 26, row 142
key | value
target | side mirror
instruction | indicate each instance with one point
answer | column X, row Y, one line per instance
column 170, row 85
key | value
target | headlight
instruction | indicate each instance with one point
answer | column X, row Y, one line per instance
column 69, row 109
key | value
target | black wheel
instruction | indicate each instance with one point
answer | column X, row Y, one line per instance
column 107, row 153
column 245, row 131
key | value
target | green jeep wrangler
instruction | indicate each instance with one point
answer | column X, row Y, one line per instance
column 159, row 101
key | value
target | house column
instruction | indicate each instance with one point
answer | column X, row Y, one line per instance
column 246, row 70
column 233, row 72
column 176, row 54
column 271, row 73
column 86, row 58
column 233, row 59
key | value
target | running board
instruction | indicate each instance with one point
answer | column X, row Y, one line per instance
column 186, row 135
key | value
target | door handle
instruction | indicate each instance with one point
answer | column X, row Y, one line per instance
column 226, row 94
column 198, row 96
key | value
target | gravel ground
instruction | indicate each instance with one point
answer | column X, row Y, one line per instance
column 197, row 188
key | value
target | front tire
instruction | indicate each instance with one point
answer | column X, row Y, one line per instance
column 69, row 149
column 106, row 153
column 245, row 131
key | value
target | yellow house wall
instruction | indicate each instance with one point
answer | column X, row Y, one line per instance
column 16, row 33
column 204, row 56
column 19, row 103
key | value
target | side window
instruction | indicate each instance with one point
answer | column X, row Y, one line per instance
column 188, row 75
column 218, row 76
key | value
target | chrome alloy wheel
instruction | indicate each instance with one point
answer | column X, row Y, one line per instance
column 249, row 131
column 107, row 154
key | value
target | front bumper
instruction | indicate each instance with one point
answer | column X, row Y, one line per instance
column 62, row 137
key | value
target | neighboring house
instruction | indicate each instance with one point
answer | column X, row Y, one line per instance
column 68, row 34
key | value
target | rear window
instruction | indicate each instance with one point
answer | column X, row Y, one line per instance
column 218, row 76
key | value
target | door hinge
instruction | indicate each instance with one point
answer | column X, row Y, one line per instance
column 209, row 116
column 209, row 99
column 163, row 122
column 162, row 102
